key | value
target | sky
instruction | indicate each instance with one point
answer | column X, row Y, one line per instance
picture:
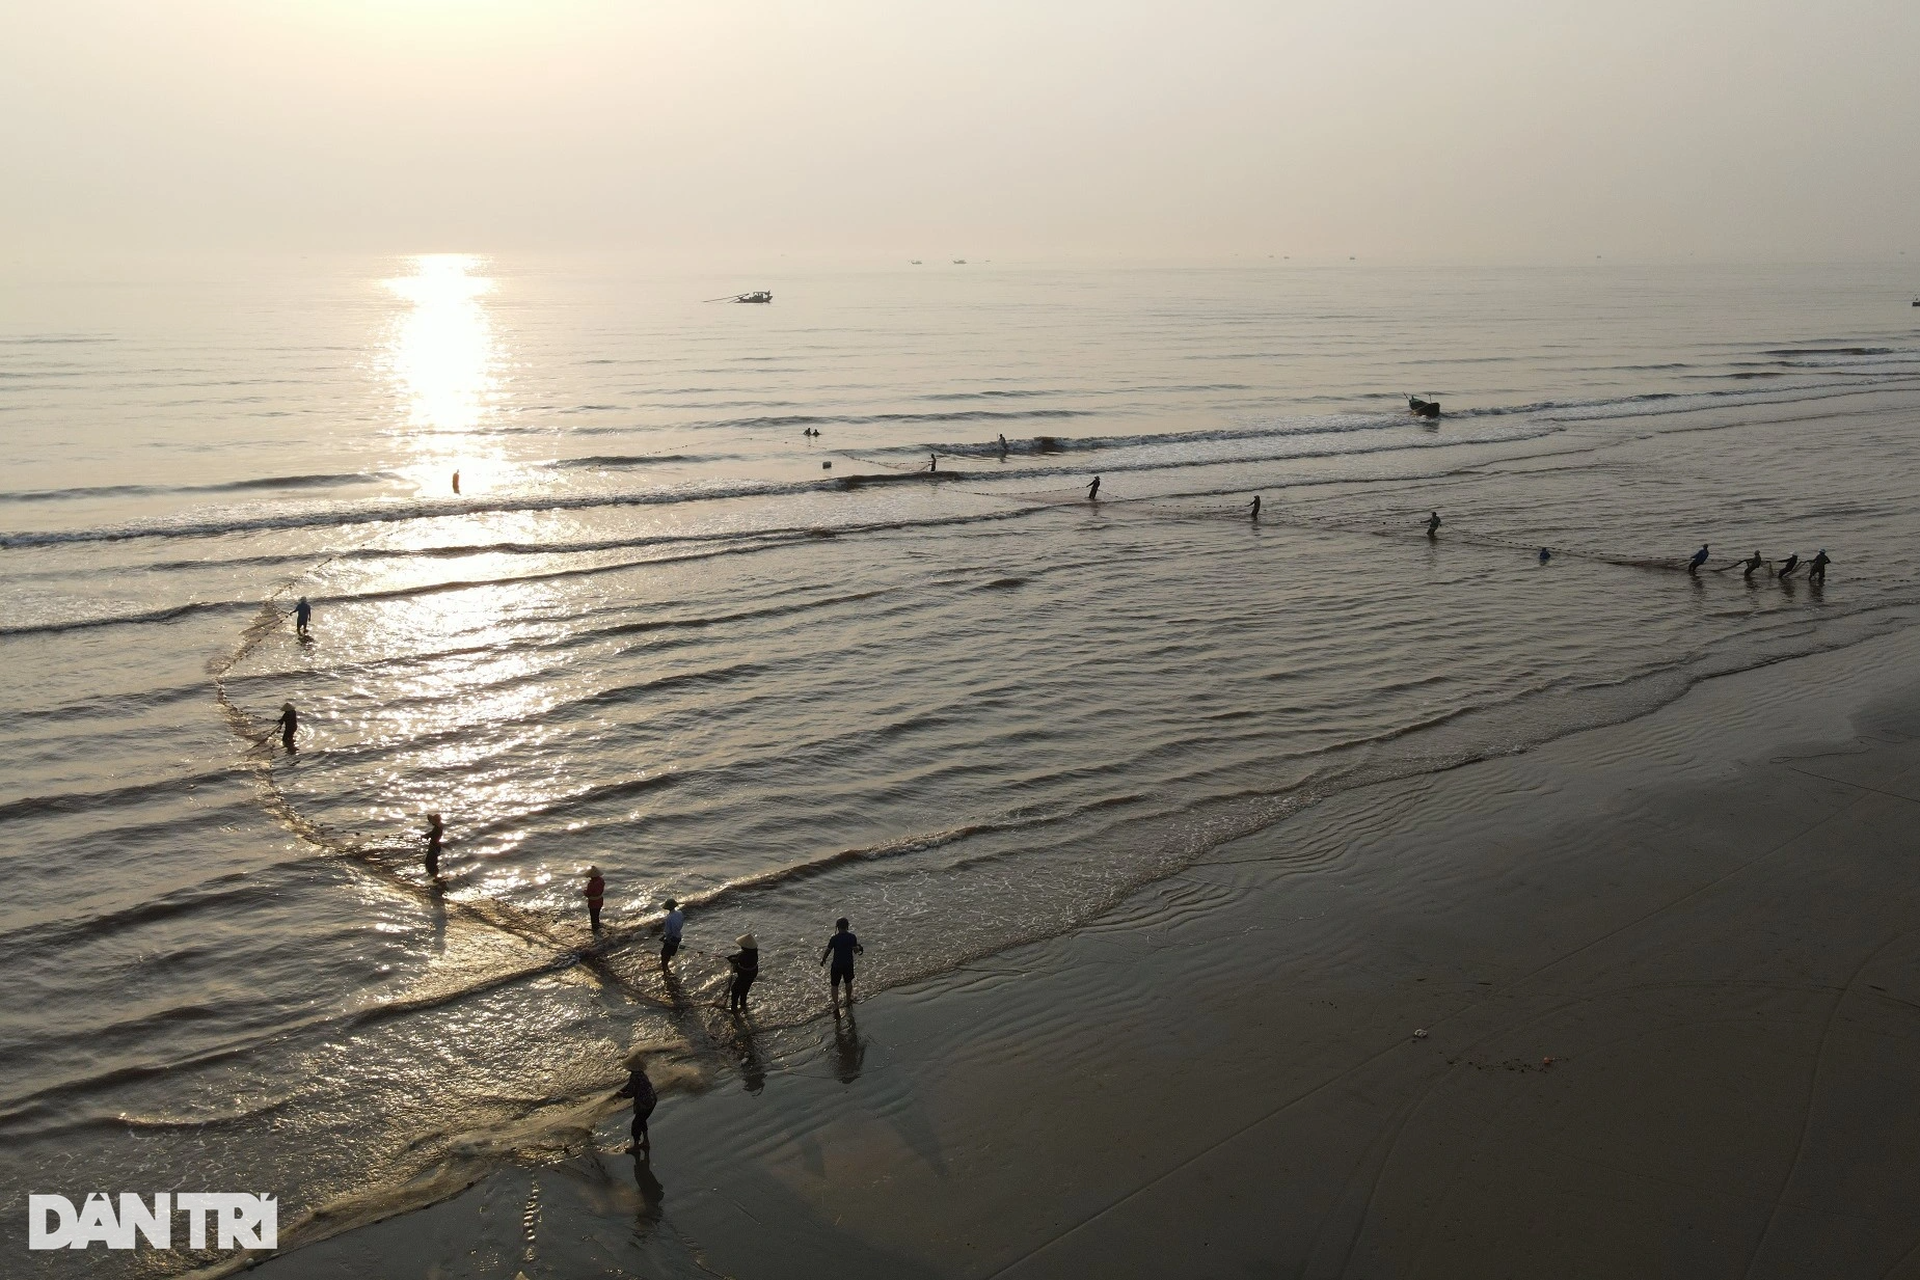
column 1466, row 130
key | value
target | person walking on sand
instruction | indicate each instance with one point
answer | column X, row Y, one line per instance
column 435, row 830
column 288, row 724
column 843, row 947
column 1433, row 526
column 302, row 615
column 1699, row 558
column 670, row 940
column 640, row 1089
column 596, row 895
column 1093, row 490
column 746, row 967
column 1817, row 568
column 1256, row 508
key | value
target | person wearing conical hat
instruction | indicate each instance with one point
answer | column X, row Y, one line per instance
column 288, row 724
column 746, row 967
column 640, row 1089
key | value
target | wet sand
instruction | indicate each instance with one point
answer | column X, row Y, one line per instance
column 1668, row 974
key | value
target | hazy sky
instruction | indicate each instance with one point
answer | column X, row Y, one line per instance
column 1477, row 129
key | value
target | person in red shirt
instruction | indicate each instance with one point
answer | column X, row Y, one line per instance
column 596, row 895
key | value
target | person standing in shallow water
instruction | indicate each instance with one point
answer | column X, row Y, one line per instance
column 746, row 967
column 1817, row 568
column 1433, row 526
column 1788, row 565
column 302, row 615
column 596, row 895
column 640, row 1089
column 1699, row 558
column 288, row 724
column 435, row 831
column 842, row 946
column 1256, row 508
column 1752, row 566
column 670, row 941
column 1093, row 490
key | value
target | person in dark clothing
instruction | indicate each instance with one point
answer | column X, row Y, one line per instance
column 1752, row 565
column 456, row 482
column 1433, row 526
column 1093, row 490
column 842, row 947
column 288, row 724
column 1255, row 504
column 596, row 895
column 640, row 1089
column 1788, row 565
column 746, row 967
column 1699, row 558
column 1003, row 446
column 434, row 833
column 302, row 615
column 1545, row 555
column 933, row 462
column 1817, row 568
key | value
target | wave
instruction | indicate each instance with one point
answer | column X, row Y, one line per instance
column 171, row 614
column 319, row 481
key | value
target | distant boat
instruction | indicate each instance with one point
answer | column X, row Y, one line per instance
column 1423, row 408
column 959, row 262
column 916, row 262
column 757, row 295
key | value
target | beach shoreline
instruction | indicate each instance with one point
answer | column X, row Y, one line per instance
column 1640, row 1001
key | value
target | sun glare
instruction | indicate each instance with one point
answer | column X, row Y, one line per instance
column 443, row 357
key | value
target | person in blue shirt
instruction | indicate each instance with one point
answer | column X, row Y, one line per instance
column 842, row 947
column 670, row 941
column 302, row 615
column 1699, row 558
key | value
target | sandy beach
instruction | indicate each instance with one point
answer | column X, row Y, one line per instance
column 1640, row 1002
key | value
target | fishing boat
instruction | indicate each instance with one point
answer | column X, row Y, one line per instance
column 959, row 262
column 1423, row 408
column 757, row 295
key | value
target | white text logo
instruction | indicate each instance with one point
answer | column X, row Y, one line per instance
column 240, row 1220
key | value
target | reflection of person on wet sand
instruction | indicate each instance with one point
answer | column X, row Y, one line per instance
column 288, row 724
column 746, row 1046
column 651, row 1192
column 640, row 1089
column 849, row 1050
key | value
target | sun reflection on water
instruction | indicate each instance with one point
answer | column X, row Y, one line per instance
column 444, row 363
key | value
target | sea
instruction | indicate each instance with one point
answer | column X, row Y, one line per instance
column 797, row 611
